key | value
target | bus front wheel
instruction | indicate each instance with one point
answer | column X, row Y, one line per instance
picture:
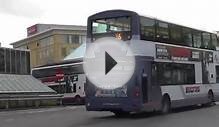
column 210, row 98
column 78, row 99
column 166, row 105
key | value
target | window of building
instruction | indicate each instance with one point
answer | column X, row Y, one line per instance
column 162, row 32
column 71, row 39
column 13, row 62
column 197, row 40
column 8, row 60
column 18, row 61
column 28, row 62
column 147, row 28
column 64, row 51
column 47, row 52
column 51, row 52
column 2, row 60
column 214, row 41
column 64, row 38
column 40, row 55
column 206, row 40
column 175, row 73
column 46, row 41
column 23, row 63
column 74, row 39
column 82, row 39
column 187, row 36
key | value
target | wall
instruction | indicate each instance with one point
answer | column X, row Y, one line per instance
column 53, row 46
column 14, row 61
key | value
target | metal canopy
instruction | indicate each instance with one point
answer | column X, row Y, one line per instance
column 22, row 84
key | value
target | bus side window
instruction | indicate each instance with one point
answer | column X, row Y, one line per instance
column 74, row 88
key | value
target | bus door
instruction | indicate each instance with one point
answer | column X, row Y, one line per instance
column 151, row 91
column 144, row 77
column 144, row 85
column 155, row 89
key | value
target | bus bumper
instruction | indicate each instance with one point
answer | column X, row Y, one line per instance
column 112, row 104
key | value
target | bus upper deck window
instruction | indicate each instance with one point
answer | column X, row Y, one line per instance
column 109, row 27
column 99, row 28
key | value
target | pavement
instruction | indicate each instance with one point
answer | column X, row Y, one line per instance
column 77, row 116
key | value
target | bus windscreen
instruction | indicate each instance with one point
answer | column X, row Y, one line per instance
column 119, row 27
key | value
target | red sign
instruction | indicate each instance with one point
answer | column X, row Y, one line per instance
column 59, row 73
column 177, row 53
column 31, row 30
column 193, row 89
column 49, row 79
column 59, row 76
column 180, row 52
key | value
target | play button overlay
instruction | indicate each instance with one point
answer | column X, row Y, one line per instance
column 108, row 63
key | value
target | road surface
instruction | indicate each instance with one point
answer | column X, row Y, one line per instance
column 77, row 116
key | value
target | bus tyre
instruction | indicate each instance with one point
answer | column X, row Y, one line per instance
column 78, row 99
column 210, row 98
column 166, row 105
column 121, row 114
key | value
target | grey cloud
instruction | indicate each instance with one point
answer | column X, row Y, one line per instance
column 25, row 8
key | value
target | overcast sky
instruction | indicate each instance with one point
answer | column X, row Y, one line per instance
column 17, row 15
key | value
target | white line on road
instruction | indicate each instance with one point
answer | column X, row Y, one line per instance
column 40, row 110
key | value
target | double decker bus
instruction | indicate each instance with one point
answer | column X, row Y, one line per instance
column 176, row 65
column 65, row 78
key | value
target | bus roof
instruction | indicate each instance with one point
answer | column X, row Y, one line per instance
column 111, row 14
column 118, row 13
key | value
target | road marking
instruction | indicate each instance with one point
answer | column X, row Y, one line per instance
column 40, row 110
column 50, row 109
column 9, row 120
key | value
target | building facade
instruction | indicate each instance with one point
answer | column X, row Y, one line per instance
column 50, row 43
column 18, row 89
column 13, row 61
